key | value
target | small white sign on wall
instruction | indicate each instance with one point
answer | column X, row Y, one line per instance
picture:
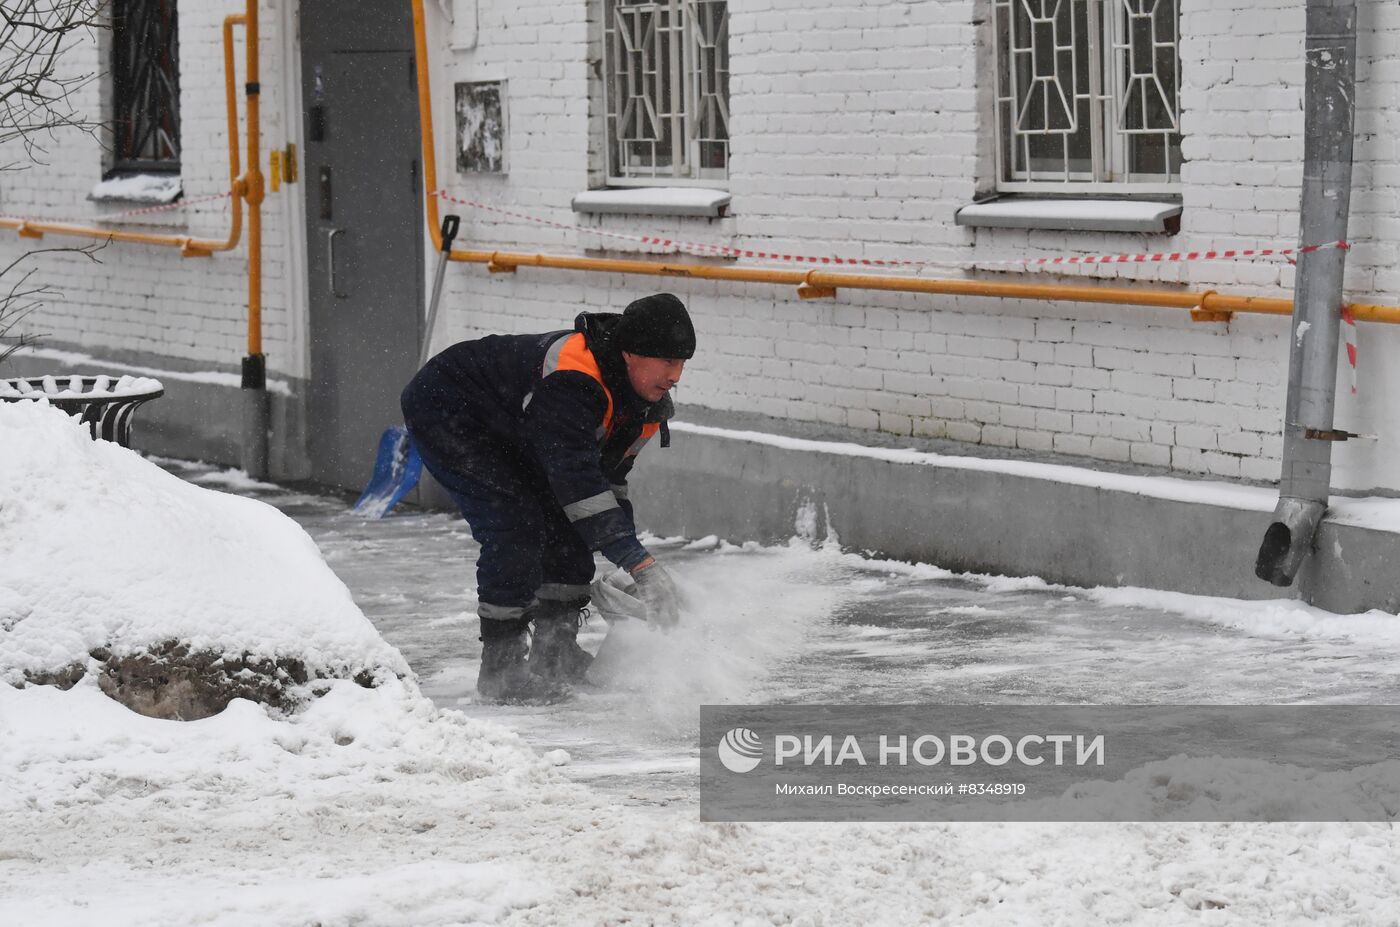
column 481, row 127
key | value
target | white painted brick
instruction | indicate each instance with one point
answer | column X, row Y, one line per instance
column 999, row 436
column 1188, row 388
column 1090, row 379
column 1243, row 443
column 1019, row 417
column 1130, row 429
column 1139, row 384
column 965, row 431
column 1035, row 440
column 1073, row 444
column 856, row 132
column 1037, row 396
column 1221, row 464
column 1074, row 355
column 1196, row 437
column 1074, row 400
column 1151, row 454
column 1109, row 448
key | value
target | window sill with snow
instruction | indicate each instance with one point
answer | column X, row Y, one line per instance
column 155, row 189
column 1160, row 216
column 705, row 202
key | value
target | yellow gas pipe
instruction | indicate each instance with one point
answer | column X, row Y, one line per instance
column 188, row 245
column 1208, row 306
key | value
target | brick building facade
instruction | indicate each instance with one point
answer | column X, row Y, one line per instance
column 854, row 129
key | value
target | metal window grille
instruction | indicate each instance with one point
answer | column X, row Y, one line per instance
column 667, row 75
column 146, row 85
column 1087, row 94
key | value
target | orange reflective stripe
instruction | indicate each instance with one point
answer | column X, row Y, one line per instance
column 574, row 355
column 649, row 431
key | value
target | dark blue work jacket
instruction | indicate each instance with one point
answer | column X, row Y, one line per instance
column 560, row 400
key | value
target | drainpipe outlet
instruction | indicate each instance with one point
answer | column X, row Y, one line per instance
column 257, row 416
column 1289, row 540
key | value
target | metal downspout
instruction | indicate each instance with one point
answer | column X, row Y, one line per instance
column 257, row 410
column 1329, row 112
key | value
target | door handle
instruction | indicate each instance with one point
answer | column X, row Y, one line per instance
column 330, row 262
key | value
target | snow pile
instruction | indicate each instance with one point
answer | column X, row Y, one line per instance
column 196, row 822
column 102, row 550
column 372, row 808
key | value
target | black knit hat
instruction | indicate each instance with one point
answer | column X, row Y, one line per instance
column 657, row 326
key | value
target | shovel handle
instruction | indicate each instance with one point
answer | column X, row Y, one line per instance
column 450, row 225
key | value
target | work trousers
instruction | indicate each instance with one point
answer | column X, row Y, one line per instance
column 529, row 549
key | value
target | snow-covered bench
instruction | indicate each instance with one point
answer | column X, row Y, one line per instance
column 106, row 404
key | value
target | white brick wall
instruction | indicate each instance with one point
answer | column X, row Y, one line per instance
column 859, row 127
column 147, row 299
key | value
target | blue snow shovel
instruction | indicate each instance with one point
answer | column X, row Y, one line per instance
column 397, row 466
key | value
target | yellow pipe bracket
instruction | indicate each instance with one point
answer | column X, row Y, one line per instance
column 1203, row 312
column 809, row 290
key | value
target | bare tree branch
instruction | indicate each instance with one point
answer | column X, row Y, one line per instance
column 36, row 96
column 24, row 296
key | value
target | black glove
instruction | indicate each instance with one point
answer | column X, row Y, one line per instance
column 658, row 593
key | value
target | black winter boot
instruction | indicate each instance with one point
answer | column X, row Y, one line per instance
column 555, row 653
column 505, row 674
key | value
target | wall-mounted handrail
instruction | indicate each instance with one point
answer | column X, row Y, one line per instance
column 189, row 245
column 1204, row 306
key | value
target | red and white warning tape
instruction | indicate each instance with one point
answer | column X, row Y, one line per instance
column 713, row 250
column 167, row 207
column 143, row 211
column 1349, row 333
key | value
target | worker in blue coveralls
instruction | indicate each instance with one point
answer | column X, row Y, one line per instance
column 533, row 436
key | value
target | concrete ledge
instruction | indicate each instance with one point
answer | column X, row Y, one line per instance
column 970, row 514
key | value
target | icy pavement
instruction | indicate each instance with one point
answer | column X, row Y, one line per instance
column 801, row 624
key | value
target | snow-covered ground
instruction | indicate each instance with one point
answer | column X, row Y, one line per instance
column 379, row 807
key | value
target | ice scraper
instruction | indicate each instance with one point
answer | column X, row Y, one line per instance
column 397, row 466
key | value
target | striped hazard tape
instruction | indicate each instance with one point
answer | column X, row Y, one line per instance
column 168, row 207
column 1349, row 333
column 714, row 250
column 1161, row 257
column 143, row 211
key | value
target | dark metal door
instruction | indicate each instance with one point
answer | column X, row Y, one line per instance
column 363, row 225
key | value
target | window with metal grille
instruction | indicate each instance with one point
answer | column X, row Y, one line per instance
column 145, row 85
column 1087, row 95
column 667, row 76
